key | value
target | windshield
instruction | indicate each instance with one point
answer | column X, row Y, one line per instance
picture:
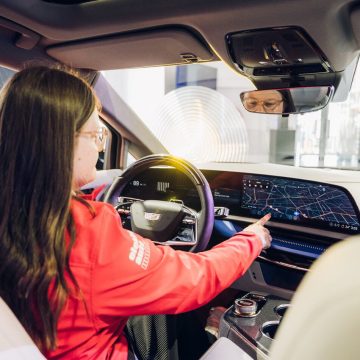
column 196, row 113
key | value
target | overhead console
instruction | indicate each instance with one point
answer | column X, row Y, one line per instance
column 280, row 57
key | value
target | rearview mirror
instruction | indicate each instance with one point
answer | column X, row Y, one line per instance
column 287, row 101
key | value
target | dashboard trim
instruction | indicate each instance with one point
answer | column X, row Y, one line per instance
column 305, row 230
column 280, row 263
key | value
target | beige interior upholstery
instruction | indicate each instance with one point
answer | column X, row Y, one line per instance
column 15, row 343
column 324, row 321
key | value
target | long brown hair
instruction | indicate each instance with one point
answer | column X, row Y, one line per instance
column 41, row 109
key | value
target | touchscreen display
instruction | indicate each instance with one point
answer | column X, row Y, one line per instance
column 296, row 201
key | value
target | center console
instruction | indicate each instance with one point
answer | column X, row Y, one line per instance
column 252, row 321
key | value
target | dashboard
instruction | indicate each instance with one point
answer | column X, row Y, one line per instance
column 308, row 204
column 310, row 211
column 307, row 216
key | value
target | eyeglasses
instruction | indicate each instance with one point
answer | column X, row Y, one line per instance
column 99, row 136
column 268, row 105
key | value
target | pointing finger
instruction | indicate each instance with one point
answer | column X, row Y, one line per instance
column 264, row 219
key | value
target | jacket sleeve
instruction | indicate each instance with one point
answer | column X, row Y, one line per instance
column 133, row 276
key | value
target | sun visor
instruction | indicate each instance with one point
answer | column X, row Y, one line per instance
column 145, row 48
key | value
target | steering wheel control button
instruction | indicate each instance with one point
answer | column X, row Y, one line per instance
column 189, row 221
column 245, row 307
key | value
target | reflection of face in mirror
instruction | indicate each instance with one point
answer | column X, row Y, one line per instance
column 266, row 101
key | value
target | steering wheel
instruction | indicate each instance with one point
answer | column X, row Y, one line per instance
column 165, row 222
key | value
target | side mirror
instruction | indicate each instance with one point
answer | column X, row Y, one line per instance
column 287, row 101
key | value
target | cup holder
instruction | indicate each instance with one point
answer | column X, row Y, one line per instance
column 281, row 309
column 269, row 328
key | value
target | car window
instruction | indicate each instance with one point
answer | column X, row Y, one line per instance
column 5, row 75
column 195, row 111
column 331, row 137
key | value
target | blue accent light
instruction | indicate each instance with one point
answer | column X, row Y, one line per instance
column 225, row 228
column 228, row 229
column 312, row 252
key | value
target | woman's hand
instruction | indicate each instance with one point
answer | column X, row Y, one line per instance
column 259, row 229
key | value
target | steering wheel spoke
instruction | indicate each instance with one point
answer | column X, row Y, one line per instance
column 125, row 202
column 186, row 235
column 123, row 207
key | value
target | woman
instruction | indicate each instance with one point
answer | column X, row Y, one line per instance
column 67, row 266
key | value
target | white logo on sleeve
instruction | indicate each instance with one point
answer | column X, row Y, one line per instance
column 139, row 252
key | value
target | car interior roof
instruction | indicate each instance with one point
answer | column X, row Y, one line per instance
column 39, row 29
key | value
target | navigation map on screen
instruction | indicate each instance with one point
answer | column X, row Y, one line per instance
column 299, row 201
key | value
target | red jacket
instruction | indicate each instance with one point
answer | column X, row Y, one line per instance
column 122, row 274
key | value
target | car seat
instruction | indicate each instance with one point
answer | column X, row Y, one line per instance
column 15, row 343
column 324, row 320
